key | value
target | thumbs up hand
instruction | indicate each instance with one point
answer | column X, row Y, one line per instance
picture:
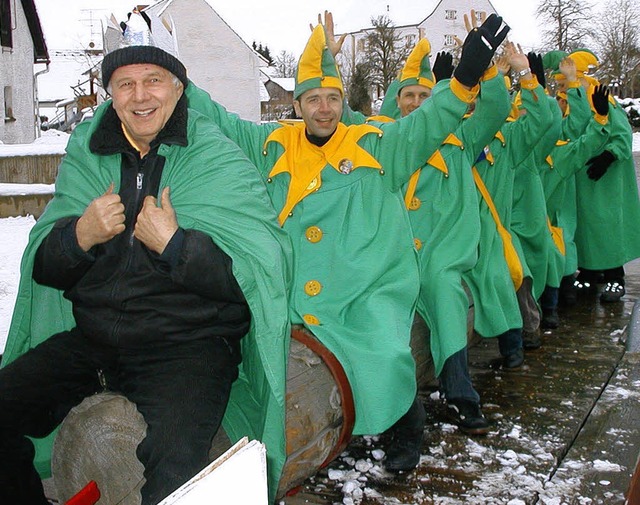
column 156, row 224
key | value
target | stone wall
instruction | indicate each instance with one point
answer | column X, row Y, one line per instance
column 25, row 170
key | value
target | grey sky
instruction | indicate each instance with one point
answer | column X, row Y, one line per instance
column 280, row 24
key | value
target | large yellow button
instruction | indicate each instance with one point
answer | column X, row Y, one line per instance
column 417, row 243
column 313, row 234
column 311, row 320
column 312, row 184
column 415, row 203
column 312, row 288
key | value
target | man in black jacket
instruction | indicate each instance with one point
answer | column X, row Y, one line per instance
column 159, row 311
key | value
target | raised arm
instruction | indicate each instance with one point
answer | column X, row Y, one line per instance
column 491, row 109
column 408, row 143
column 249, row 136
column 524, row 133
column 570, row 157
column 579, row 112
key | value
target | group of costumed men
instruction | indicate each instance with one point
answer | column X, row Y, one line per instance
column 531, row 202
column 462, row 186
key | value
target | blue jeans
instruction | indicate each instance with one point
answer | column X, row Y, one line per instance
column 181, row 390
column 549, row 298
column 455, row 381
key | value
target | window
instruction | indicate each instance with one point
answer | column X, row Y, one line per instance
column 449, row 40
column 450, row 14
column 362, row 44
column 5, row 24
column 8, row 104
column 410, row 40
column 479, row 15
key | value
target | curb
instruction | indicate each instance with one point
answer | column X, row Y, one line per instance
column 633, row 331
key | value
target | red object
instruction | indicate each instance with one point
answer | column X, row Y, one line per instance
column 88, row 495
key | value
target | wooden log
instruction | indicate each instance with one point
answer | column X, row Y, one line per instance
column 98, row 438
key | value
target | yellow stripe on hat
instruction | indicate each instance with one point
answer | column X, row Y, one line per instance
column 317, row 67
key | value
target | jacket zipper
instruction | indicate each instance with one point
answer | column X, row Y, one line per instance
column 139, row 186
column 138, row 194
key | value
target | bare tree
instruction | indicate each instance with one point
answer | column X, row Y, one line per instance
column 617, row 39
column 385, row 52
column 569, row 21
column 285, row 64
column 358, row 90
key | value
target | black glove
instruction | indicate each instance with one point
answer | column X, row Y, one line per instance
column 443, row 66
column 600, row 100
column 537, row 68
column 478, row 49
column 598, row 165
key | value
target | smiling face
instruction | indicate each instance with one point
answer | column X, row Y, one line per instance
column 562, row 103
column 411, row 97
column 321, row 110
column 144, row 97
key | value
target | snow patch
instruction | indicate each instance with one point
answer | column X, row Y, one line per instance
column 14, row 235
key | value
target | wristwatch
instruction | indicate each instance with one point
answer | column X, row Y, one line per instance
column 524, row 72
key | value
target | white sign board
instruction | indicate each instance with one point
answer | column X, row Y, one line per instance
column 239, row 476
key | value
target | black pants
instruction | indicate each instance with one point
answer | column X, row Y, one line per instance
column 180, row 389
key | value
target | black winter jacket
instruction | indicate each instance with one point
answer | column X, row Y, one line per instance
column 122, row 293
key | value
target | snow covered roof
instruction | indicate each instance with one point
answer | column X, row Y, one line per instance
column 286, row 83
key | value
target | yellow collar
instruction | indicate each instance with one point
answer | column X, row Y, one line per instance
column 304, row 161
column 437, row 161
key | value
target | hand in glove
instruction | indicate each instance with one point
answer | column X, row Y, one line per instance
column 478, row 49
column 443, row 66
column 598, row 165
column 537, row 68
column 600, row 100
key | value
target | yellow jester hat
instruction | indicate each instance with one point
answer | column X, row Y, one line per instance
column 317, row 68
column 417, row 69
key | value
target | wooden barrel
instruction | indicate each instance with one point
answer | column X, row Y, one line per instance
column 420, row 348
column 98, row 438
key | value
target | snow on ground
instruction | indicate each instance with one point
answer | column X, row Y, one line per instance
column 352, row 481
column 14, row 233
column 50, row 142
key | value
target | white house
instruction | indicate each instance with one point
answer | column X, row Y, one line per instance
column 67, row 88
column 23, row 46
column 217, row 59
column 441, row 27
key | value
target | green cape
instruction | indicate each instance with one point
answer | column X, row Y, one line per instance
column 214, row 189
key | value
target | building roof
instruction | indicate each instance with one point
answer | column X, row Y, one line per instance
column 286, row 83
column 40, row 51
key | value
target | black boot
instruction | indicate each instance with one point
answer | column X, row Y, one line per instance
column 468, row 416
column 403, row 452
column 550, row 319
column 568, row 292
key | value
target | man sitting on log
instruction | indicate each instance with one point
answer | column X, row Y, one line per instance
column 337, row 191
column 164, row 241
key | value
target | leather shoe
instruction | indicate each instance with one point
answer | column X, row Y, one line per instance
column 514, row 360
column 468, row 416
column 550, row 319
column 531, row 339
column 612, row 292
